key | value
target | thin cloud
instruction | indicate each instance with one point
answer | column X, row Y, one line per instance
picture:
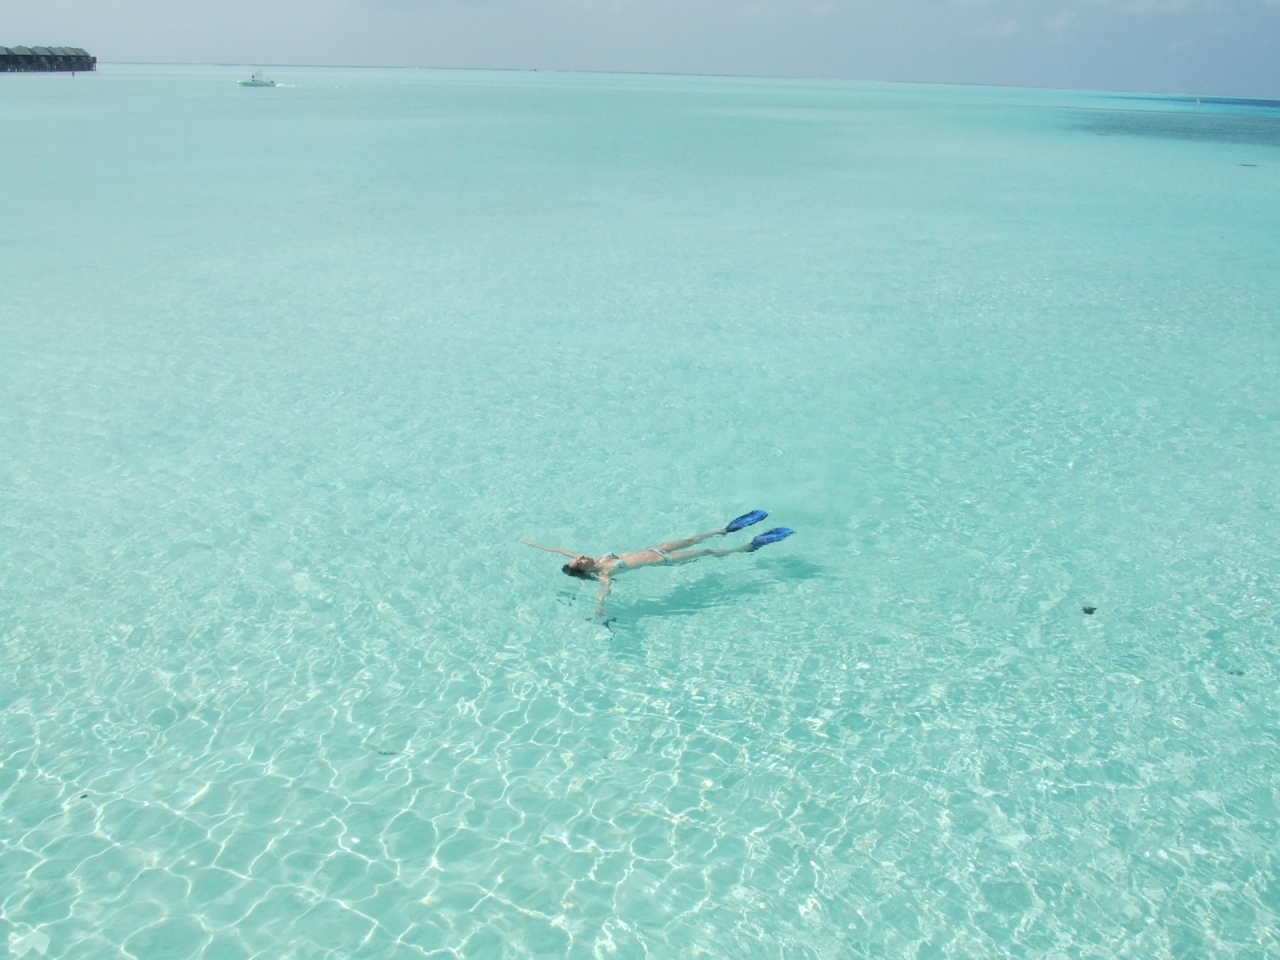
column 1063, row 20
column 1160, row 6
column 1000, row 30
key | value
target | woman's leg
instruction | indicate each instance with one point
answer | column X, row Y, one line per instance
column 695, row 554
column 682, row 544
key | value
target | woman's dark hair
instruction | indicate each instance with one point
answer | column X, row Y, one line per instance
column 580, row 574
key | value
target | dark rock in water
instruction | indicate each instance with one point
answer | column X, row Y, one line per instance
column 1089, row 609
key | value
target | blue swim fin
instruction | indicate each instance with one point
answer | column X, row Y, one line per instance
column 771, row 536
column 746, row 520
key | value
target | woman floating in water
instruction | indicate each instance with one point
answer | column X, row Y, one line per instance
column 610, row 565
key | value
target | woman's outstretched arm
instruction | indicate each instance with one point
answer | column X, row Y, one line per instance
column 605, row 583
column 567, row 553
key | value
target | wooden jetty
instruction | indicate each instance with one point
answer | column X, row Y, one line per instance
column 45, row 60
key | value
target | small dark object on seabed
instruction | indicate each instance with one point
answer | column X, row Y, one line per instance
column 1089, row 610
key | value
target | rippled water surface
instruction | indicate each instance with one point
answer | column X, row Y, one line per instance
column 286, row 375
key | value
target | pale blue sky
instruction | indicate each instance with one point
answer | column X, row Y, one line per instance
column 1226, row 47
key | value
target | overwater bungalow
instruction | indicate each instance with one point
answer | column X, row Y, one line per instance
column 45, row 60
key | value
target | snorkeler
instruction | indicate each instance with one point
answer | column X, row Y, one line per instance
column 605, row 568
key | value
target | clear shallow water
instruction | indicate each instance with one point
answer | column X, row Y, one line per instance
column 287, row 374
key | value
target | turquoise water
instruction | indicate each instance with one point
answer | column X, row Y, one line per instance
column 287, row 375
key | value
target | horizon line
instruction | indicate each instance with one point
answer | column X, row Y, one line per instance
column 1254, row 100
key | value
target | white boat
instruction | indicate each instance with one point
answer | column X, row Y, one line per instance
column 257, row 80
